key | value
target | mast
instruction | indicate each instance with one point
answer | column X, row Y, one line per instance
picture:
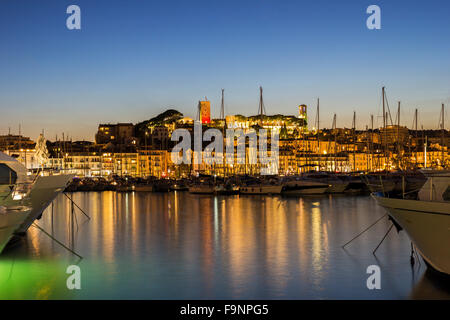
column 443, row 135
column 384, row 125
column 335, row 140
column 371, row 143
column 398, row 133
column 416, row 134
column 222, row 116
column 354, row 140
column 318, row 131
column 261, row 110
column 222, row 107
column 425, row 151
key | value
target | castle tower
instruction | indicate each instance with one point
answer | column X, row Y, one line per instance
column 303, row 114
column 204, row 108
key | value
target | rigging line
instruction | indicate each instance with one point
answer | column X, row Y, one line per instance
column 73, row 202
column 390, row 228
column 387, row 104
column 365, row 230
column 57, row 241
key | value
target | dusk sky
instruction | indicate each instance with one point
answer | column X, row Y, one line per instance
column 133, row 59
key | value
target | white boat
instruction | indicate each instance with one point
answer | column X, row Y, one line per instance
column 15, row 184
column 427, row 219
column 261, row 189
column 10, row 219
column 300, row 187
column 44, row 190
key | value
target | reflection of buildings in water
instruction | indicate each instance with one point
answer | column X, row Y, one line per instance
column 431, row 286
column 276, row 243
column 207, row 242
column 319, row 244
column 313, row 246
column 238, row 242
column 302, row 232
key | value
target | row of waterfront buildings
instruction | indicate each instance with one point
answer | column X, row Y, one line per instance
column 144, row 149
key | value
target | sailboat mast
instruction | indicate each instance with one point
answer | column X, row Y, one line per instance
column 371, row 142
column 443, row 135
column 354, row 140
column 261, row 104
column 416, row 118
column 398, row 134
column 384, row 127
column 222, row 111
column 222, row 107
column 318, row 130
column 335, row 140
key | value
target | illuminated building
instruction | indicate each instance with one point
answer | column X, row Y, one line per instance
column 394, row 134
column 120, row 133
column 204, row 108
column 303, row 114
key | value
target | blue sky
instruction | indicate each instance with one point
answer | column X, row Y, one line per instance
column 133, row 59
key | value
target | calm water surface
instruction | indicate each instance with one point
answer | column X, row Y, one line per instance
column 183, row 246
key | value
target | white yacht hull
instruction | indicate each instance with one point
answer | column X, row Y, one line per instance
column 10, row 220
column 43, row 192
column 427, row 223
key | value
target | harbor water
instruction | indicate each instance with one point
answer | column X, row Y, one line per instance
column 183, row 246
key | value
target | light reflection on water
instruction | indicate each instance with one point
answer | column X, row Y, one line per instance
column 183, row 246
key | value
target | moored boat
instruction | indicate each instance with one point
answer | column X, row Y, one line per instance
column 38, row 191
column 425, row 219
column 44, row 190
column 260, row 189
column 334, row 182
column 300, row 186
column 202, row 189
column 10, row 219
column 143, row 188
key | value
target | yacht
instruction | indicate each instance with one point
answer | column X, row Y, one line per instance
column 14, row 188
column 300, row 186
column 336, row 185
column 45, row 189
column 16, row 185
column 260, row 189
column 203, row 188
column 425, row 218
column 11, row 218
